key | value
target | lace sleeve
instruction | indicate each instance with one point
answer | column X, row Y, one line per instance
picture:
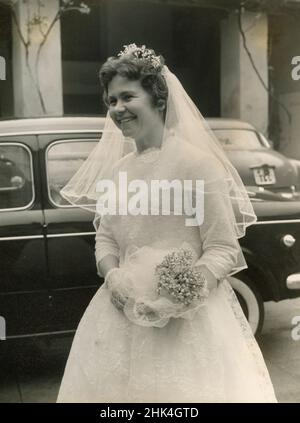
column 222, row 254
column 105, row 241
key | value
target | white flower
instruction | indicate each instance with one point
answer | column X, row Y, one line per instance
column 142, row 53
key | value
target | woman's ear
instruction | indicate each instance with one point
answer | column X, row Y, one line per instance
column 161, row 105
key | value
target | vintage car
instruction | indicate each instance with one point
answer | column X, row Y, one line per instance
column 256, row 161
column 48, row 273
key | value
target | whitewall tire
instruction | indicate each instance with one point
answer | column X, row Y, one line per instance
column 251, row 302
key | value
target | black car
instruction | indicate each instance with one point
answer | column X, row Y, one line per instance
column 48, row 273
column 258, row 164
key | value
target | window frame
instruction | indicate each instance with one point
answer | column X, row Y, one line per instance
column 63, row 141
column 19, row 144
column 262, row 144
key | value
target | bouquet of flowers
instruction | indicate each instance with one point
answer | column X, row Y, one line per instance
column 178, row 280
column 164, row 284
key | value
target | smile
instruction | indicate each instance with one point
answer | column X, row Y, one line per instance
column 125, row 120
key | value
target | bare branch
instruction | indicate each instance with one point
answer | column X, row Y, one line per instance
column 37, row 20
column 18, row 26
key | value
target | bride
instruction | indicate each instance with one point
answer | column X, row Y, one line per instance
column 145, row 336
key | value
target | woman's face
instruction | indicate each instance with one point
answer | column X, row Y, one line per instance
column 131, row 108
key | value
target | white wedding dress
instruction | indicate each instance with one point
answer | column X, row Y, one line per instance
column 211, row 357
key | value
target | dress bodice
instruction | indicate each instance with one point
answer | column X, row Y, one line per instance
column 162, row 225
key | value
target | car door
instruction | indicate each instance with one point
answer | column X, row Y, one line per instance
column 274, row 243
column 69, row 230
column 23, row 279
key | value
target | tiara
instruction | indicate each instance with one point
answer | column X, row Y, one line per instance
column 142, row 53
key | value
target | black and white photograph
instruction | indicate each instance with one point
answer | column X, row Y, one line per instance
column 149, row 203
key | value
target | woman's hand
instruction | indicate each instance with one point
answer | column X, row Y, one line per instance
column 150, row 313
column 118, row 300
column 211, row 280
column 119, row 284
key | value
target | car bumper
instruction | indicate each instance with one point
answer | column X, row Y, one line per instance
column 293, row 281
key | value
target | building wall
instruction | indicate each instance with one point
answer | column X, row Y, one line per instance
column 188, row 38
column 243, row 96
column 6, row 86
column 286, row 110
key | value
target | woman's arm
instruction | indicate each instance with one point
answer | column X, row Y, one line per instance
column 107, row 260
column 107, row 263
column 107, row 250
column 212, row 281
column 220, row 246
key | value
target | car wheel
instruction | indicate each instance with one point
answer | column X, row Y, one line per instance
column 250, row 301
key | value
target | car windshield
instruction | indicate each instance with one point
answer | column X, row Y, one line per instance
column 239, row 139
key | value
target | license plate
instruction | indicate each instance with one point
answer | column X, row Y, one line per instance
column 264, row 176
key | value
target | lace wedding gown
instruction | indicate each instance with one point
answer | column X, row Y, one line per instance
column 212, row 357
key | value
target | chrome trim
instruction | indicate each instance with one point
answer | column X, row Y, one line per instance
column 271, row 222
column 33, row 335
column 293, row 281
column 267, row 222
column 49, row 294
column 70, row 234
column 19, row 144
column 61, row 206
column 20, row 238
column 53, row 131
column 75, row 288
column 62, row 235
column 10, row 293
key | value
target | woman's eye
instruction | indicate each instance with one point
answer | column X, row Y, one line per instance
column 128, row 97
column 111, row 102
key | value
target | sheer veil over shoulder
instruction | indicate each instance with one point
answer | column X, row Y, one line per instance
column 201, row 353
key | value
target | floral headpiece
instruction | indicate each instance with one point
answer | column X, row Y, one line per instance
column 142, row 53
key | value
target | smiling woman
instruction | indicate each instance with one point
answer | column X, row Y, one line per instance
column 130, row 107
column 136, row 97
column 166, row 325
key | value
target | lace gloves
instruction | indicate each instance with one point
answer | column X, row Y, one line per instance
column 147, row 308
column 118, row 282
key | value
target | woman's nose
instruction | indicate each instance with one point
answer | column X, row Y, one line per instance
column 119, row 106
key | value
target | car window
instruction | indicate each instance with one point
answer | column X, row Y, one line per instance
column 63, row 159
column 239, row 139
column 16, row 177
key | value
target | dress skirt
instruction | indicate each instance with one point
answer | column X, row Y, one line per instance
column 213, row 357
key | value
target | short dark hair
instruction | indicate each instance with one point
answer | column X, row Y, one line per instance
column 135, row 69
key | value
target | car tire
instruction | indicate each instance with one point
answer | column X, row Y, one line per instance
column 250, row 301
